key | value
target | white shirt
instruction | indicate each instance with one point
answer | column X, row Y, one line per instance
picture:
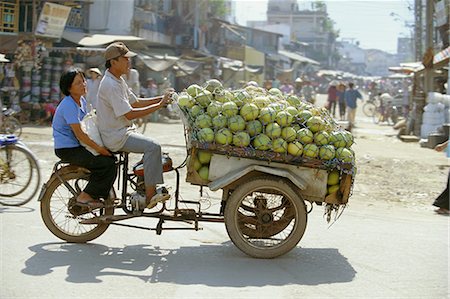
column 114, row 101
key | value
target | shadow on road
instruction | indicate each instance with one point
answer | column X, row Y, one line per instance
column 15, row 210
column 211, row 265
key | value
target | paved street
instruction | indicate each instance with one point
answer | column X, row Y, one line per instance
column 377, row 249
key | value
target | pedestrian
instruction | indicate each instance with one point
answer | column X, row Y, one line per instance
column 332, row 98
column 116, row 108
column 442, row 201
column 267, row 84
column 67, row 135
column 287, row 87
column 276, row 83
column 132, row 80
column 308, row 92
column 351, row 96
column 341, row 100
column 151, row 89
column 92, row 87
column 298, row 87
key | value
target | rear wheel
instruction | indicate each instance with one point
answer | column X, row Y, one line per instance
column 265, row 217
column 62, row 216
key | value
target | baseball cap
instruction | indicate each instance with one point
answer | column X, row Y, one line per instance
column 118, row 49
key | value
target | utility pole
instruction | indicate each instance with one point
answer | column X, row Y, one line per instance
column 418, row 29
column 427, row 60
column 428, row 86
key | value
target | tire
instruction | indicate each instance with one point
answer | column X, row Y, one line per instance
column 265, row 217
column 12, row 125
column 19, row 175
column 57, row 210
column 369, row 109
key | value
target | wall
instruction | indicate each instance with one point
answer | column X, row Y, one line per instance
column 111, row 17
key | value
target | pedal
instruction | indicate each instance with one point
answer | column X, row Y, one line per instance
column 187, row 214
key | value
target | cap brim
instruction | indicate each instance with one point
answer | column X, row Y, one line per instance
column 130, row 54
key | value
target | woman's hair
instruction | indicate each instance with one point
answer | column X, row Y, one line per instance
column 67, row 79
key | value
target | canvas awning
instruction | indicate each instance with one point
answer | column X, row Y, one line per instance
column 158, row 63
column 92, row 40
column 298, row 57
column 238, row 65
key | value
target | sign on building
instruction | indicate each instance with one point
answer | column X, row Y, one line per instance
column 52, row 20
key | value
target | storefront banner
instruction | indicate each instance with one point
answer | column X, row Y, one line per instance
column 52, row 20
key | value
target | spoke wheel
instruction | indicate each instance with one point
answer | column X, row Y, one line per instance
column 369, row 109
column 12, row 125
column 19, row 175
column 265, row 217
column 62, row 216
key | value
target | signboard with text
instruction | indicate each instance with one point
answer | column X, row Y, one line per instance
column 52, row 20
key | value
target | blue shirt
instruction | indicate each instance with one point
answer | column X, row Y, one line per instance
column 351, row 95
column 68, row 112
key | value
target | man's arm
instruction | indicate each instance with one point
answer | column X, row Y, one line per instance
column 146, row 107
column 144, row 102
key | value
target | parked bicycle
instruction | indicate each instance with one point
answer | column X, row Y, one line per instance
column 386, row 112
column 10, row 124
column 20, row 177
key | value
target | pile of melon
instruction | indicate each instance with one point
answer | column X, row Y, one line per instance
column 258, row 119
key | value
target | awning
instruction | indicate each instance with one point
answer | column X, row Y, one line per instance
column 85, row 39
column 297, row 57
column 188, row 67
column 238, row 65
column 160, row 63
column 441, row 59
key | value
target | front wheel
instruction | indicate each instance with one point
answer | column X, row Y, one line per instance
column 265, row 217
column 19, row 175
column 60, row 214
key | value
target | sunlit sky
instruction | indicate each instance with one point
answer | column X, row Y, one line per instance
column 367, row 21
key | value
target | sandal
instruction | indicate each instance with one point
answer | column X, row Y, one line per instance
column 91, row 204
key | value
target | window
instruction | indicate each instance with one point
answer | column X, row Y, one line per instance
column 9, row 12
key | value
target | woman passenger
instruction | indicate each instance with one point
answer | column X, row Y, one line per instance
column 67, row 135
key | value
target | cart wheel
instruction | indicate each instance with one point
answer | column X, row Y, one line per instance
column 265, row 217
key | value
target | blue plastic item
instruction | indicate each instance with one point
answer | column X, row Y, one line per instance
column 8, row 139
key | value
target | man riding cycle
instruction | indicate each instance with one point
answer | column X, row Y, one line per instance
column 116, row 108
